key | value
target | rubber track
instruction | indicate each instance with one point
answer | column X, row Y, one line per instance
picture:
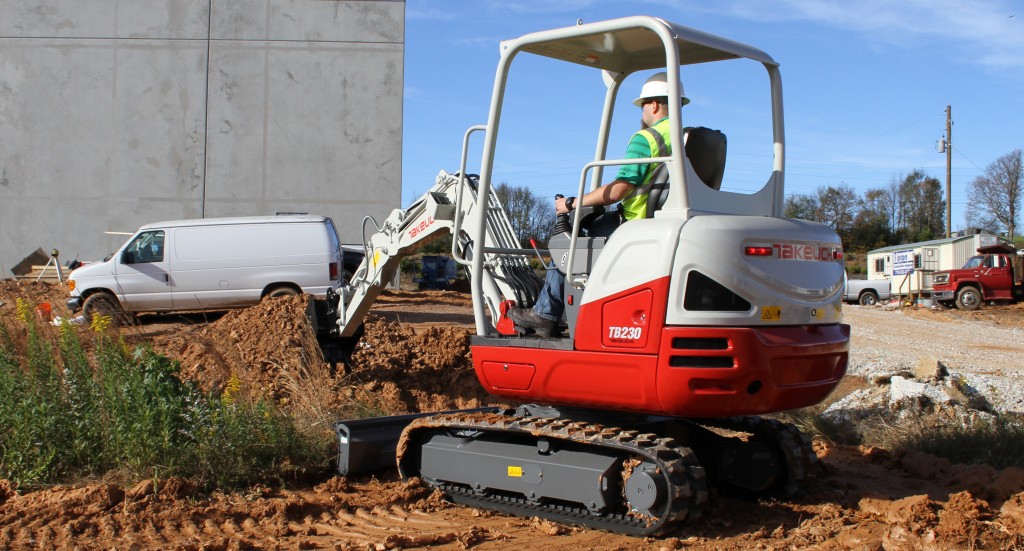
column 794, row 444
column 685, row 478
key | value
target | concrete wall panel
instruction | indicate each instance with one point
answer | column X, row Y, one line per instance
column 296, row 106
column 305, row 21
column 104, row 18
column 111, row 118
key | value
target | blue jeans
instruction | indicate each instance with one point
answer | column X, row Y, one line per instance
column 551, row 302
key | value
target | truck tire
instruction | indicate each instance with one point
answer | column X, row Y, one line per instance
column 968, row 298
column 868, row 298
column 105, row 304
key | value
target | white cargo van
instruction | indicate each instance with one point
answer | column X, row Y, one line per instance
column 210, row 264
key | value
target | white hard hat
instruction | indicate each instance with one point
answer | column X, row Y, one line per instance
column 657, row 87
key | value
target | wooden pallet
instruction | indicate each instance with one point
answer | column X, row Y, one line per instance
column 47, row 273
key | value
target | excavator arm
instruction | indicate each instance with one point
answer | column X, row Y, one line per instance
column 445, row 209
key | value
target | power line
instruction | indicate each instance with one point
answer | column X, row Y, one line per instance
column 968, row 160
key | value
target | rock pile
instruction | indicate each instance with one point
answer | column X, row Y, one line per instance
column 902, row 395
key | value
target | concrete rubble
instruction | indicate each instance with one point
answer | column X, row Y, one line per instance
column 902, row 394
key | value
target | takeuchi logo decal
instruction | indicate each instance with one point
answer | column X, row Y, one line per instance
column 789, row 251
column 419, row 228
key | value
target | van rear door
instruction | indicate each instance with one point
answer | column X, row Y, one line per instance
column 143, row 273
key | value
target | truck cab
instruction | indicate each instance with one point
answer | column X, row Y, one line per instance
column 993, row 275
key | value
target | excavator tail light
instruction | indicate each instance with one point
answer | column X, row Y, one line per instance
column 758, row 251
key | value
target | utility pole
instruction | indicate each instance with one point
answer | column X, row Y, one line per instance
column 949, row 169
column 945, row 145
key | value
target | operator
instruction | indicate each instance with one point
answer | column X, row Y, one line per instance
column 631, row 186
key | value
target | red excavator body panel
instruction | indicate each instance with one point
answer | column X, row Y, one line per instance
column 626, row 359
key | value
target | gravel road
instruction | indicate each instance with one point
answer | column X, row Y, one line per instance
column 987, row 353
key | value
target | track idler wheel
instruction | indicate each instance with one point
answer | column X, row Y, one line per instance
column 645, row 490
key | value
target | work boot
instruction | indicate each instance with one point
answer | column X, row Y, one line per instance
column 528, row 319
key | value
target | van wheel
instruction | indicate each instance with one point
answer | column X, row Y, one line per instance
column 282, row 292
column 105, row 304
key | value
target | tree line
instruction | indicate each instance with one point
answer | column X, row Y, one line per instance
column 912, row 208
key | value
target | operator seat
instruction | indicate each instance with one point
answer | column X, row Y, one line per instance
column 705, row 149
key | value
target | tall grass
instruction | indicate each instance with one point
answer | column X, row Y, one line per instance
column 996, row 440
column 67, row 413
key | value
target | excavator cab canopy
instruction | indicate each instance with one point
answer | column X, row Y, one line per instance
column 617, row 49
column 611, row 47
column 622, row 47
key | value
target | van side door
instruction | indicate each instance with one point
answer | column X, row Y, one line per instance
column 142, row 272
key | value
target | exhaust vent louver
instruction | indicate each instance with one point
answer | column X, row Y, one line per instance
column 704, row 294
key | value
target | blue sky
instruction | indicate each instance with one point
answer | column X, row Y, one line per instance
column 866, row 85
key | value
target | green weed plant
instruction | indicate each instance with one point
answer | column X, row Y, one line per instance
column 68, row 413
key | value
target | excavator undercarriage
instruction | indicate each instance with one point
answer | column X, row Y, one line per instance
column 640, row 477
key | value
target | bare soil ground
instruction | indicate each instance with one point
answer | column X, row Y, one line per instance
column 415, row 357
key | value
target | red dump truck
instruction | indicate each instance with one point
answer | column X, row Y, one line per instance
column 994, row 275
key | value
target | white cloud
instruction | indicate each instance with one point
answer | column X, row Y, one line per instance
column 990, row 33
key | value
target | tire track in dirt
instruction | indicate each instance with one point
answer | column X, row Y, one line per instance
column 394, row 528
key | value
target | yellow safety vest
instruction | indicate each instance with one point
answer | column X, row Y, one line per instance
column 659, row 138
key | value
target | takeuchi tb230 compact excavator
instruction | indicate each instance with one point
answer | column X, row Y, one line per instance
column 681, row 329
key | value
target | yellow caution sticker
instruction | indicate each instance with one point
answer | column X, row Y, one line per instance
column 515, row 471
column 376, row 258
column 771, row 313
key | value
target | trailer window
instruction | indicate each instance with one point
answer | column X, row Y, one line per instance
column 880, row 265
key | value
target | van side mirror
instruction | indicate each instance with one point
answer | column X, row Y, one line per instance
column 127, row 257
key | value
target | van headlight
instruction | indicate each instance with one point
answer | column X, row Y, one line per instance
column 71, row 285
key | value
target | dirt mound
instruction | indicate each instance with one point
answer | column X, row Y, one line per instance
column 271, row 351
column 254, row 346
column 33, row 293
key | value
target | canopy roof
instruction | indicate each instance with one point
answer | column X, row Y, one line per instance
column 633, row 44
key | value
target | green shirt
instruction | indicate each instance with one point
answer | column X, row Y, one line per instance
column 640, row 147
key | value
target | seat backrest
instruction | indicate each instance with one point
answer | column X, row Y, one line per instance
column 705, row 149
